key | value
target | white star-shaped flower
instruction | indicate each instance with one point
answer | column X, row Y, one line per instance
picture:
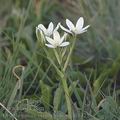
column 57, row 41
column 47, row 31
column 78, row 29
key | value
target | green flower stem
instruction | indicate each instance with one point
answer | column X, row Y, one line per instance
column 57, row 56
column 52, row 62
column 65, row 86
column 64, row 51
column 64, row 83
column 69, row 55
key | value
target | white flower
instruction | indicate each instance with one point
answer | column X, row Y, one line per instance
column 78, row 29
column 40, row 35
column 57, row 41
column 48, row 31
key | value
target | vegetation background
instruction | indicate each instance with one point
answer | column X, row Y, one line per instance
column 94, row 75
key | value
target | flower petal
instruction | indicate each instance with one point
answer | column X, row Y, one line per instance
column 40, row 35
column 57, row 27
column 50, row 28
column 42, row 27
column 56, row 36
column 63, row 38
column 66, row 30
column 86, row 27
column 80, row 23
column 70, row 24
column 37, row 30
column 50, row 46
column 82, row 30
column 64, row 44
column 50, row 40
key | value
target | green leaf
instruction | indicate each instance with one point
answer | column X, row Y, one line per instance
column 72, row 87
column 46, row 94
column 42, row 115
column 100, row 82
column 13, row 95
column 57, row 98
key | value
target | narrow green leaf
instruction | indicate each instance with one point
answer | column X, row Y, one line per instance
column 57, row 98
column 46, row 94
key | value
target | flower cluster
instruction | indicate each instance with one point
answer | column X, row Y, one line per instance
column 57, row 40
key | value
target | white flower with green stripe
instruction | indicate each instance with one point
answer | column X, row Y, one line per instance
column 57, row 41
column 75, row 29
column 47, row 31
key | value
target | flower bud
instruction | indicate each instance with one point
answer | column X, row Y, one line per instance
column 40, row 36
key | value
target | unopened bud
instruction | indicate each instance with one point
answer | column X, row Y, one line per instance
column 40, row 36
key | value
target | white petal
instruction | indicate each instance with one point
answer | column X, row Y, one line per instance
column 64, row 44
column 50, row 46
column 80, row 32
column 83, row 31
column 63, row 38
column 50, row 28
column 80, row 23
column 56, row 36
column 37, row 32
column 70, row 24
column 42, row 27
column 86, row 27
column 57, row 27
column 66, row 30
column 50, row 40
column 42, row 35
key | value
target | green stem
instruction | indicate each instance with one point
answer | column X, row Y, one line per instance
column 64, row 82
column 57, row 56
column 63, row 53
column 52, row 62
column 69, row 55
